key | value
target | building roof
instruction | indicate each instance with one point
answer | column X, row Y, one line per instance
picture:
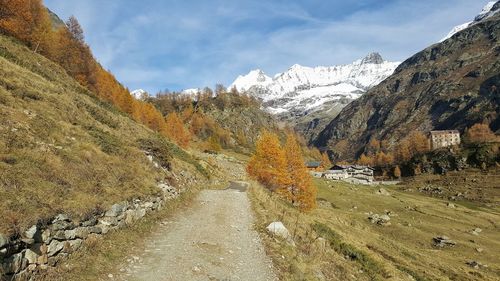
column 344, row 167
column 442, row 132
column 313, row 164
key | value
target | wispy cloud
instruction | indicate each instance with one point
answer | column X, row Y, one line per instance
column 181, row 44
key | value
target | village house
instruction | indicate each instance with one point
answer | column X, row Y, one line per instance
column 313, row 165
column 445, row 138
column 350, row 173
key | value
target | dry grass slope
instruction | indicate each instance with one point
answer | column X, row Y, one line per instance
column 361, row 250
column 62, row 149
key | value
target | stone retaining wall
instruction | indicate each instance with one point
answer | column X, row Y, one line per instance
column 41, row 247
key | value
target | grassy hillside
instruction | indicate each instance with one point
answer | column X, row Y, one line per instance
column 361, row 250
column 63, row 150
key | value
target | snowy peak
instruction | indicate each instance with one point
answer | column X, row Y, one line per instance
column 374, row 58
column 301, row 89
column 255, row 77
column 139, row 94
column 490, row 9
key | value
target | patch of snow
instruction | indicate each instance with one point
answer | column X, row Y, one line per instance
column 485, row 13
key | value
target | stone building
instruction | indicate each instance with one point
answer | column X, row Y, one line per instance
column 446, row 138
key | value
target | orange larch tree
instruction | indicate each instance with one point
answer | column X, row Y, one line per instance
column 301, row 190
column 268, row 164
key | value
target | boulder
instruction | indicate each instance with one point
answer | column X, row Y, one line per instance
column 109, row 221
column 31, row 256
column 80, row 232
column 89, row 222
column 279, row 230
column 54, row 248
column 14, row 264
column 62, row 225
column 476, row 231
column 383, row 220
column 34, row 232
column 443, row 241
column 61, row 218
column 4, row 240
column 117, row 209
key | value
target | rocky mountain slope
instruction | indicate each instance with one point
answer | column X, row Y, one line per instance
column 450, row 85
column 307, row 96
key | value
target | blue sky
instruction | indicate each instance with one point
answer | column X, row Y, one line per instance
column 178, row 44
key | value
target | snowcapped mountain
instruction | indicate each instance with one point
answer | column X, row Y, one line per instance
column 489, row 10
column 301, row 90
column 310, row 97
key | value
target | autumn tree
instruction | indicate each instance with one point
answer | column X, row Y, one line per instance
column 75, row 29
column 397, row 172
column 176, row 131
column 366, row 160
column 383, row 159
column 480, row 133
column 419, row 143
column 268, row 164
column 301, row 188
column 325, row 161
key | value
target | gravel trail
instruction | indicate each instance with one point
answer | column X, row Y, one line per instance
column 214, row 240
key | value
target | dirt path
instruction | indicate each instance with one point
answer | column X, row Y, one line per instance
column 212, row 241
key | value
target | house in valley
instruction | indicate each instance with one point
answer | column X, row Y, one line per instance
column 445, row 138
column 350, row 173
column 313, row 165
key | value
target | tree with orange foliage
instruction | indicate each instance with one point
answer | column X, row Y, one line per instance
column 268, row 164
column 366, row 160
column 301, row 188
column 397, row 172
column 175, row 129
column 402, row 151
column 419, row 143
column 480, row 133
column 325, row 161
column 383, row 159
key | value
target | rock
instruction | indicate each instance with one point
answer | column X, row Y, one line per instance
column 55, row 247
column 31, row 256
column 61, row 218
column 117, row 209
column 278, row 229
column 89, row 222
column 80, row 232
column 479, row 250
column 95, row 229
column 383, row 191
column 109, row 221
column 380, row 219
column 450, row 205
column 62, row 225
column 475, row 264
column 443, row 241
column 476, row 231
column 46, row 236
column 14, row 264
column 4, row 240
column 34, row 233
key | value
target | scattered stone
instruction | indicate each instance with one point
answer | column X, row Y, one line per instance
column 4, row 240
column 450, row 205
column 89, row 222
column 60, row 218
column 278, row 229
column 475, row 264
column 31, row 256
column 476, row 231
column 110, row 275
column 117, row 210
column 383, row 191
column 55, row 247
column 479, row 250
column 33, row 233
column 383, row 220
column 196, row 269
column 443, row 241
